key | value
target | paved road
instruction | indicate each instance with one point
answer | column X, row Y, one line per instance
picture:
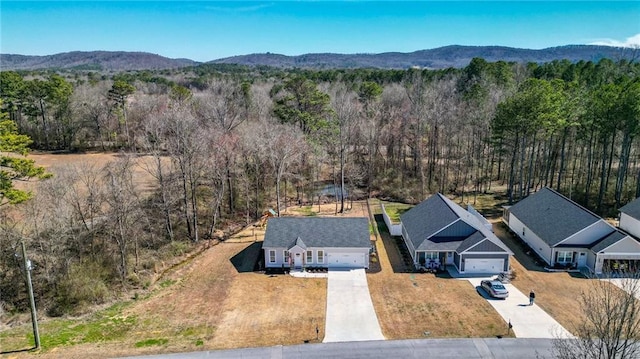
column 350, row 313
column 384, row 349
column 527, row 321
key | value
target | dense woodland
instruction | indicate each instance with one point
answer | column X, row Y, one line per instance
column 227, row 142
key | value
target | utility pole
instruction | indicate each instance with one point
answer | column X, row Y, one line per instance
column 32, row 302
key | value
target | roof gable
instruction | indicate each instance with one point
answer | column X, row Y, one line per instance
column 427, row 218
column 632, row 208
column 439, row 224
column 552, row 216
column 616, row 239
column 286, row 232
column 486, row 245
column 470, row 241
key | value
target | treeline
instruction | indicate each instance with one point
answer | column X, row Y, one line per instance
column 224, row 143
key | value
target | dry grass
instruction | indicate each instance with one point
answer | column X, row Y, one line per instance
column 264, row 311
column 208, row 304
column 409, row 305
column 56, row 162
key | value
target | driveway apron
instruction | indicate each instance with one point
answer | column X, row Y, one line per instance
column 350, row 313
column 527, row 321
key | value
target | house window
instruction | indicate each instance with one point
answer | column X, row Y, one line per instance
column 272, row 256
column 320, row 256
column 309, row 256
column 286, row 256
column 431, row 255
column 565, row 257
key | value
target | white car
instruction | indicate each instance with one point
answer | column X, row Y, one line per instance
column 494, row 288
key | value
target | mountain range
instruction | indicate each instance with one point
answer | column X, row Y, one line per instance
column 442, row 57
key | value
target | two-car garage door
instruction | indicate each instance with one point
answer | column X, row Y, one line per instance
column 345, row 260
column 484, row 265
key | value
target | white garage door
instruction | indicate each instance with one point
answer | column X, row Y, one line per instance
column 480, row 265
column 345, row 260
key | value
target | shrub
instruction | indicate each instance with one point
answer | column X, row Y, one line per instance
column 83, row 285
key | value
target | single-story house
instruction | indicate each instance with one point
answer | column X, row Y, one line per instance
column 330, row 242
column 565, row 234
column 439, row 232
column 630, row 218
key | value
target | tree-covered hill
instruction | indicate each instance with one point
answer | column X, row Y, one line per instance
column 93, row 60
column 439, row 58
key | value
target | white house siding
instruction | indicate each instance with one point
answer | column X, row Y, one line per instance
column 627, row 248
column 409, row 244
column 394, row 229
column 630, row 224
column 537, row 244
column 280, row 256
column 590, row 234
column 627, row 245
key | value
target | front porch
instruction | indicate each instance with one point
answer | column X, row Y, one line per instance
column 433, row 260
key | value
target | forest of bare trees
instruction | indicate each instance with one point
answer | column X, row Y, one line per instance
column 222, row 146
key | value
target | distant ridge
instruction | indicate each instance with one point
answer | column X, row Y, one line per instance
column 93, row 60
column 439, row 58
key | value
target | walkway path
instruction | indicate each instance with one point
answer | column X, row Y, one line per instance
column 350, row 313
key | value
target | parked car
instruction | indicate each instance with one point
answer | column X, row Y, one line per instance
column 494, row 288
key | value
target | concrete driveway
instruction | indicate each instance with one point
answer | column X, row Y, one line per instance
column 350, row 313
column 527, row 321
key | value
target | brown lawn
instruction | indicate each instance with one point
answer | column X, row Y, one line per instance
column 213, row 301
column 209, row 302
column 410, row 305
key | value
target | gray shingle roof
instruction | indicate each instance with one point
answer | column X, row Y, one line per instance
column 427, row 218
column 552, row 216
column 448, row 244
column 632, row 208
column 425, row 223
column 608, row 241
column 285, row 232
column 471, row 241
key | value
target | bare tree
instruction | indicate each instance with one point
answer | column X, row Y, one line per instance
column 283, row 144
column 123, row 210
column 610, row 326
column 345, row 108
column 186, row 140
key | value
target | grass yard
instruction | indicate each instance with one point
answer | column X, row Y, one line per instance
column 421, row 305
column 216, row 301
column 394, row 209
column 204, row 304
column 212, row 301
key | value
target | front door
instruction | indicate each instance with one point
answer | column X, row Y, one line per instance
column 582, row 259
column 297, row 260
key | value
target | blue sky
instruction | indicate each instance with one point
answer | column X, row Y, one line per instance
column 203, row 30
